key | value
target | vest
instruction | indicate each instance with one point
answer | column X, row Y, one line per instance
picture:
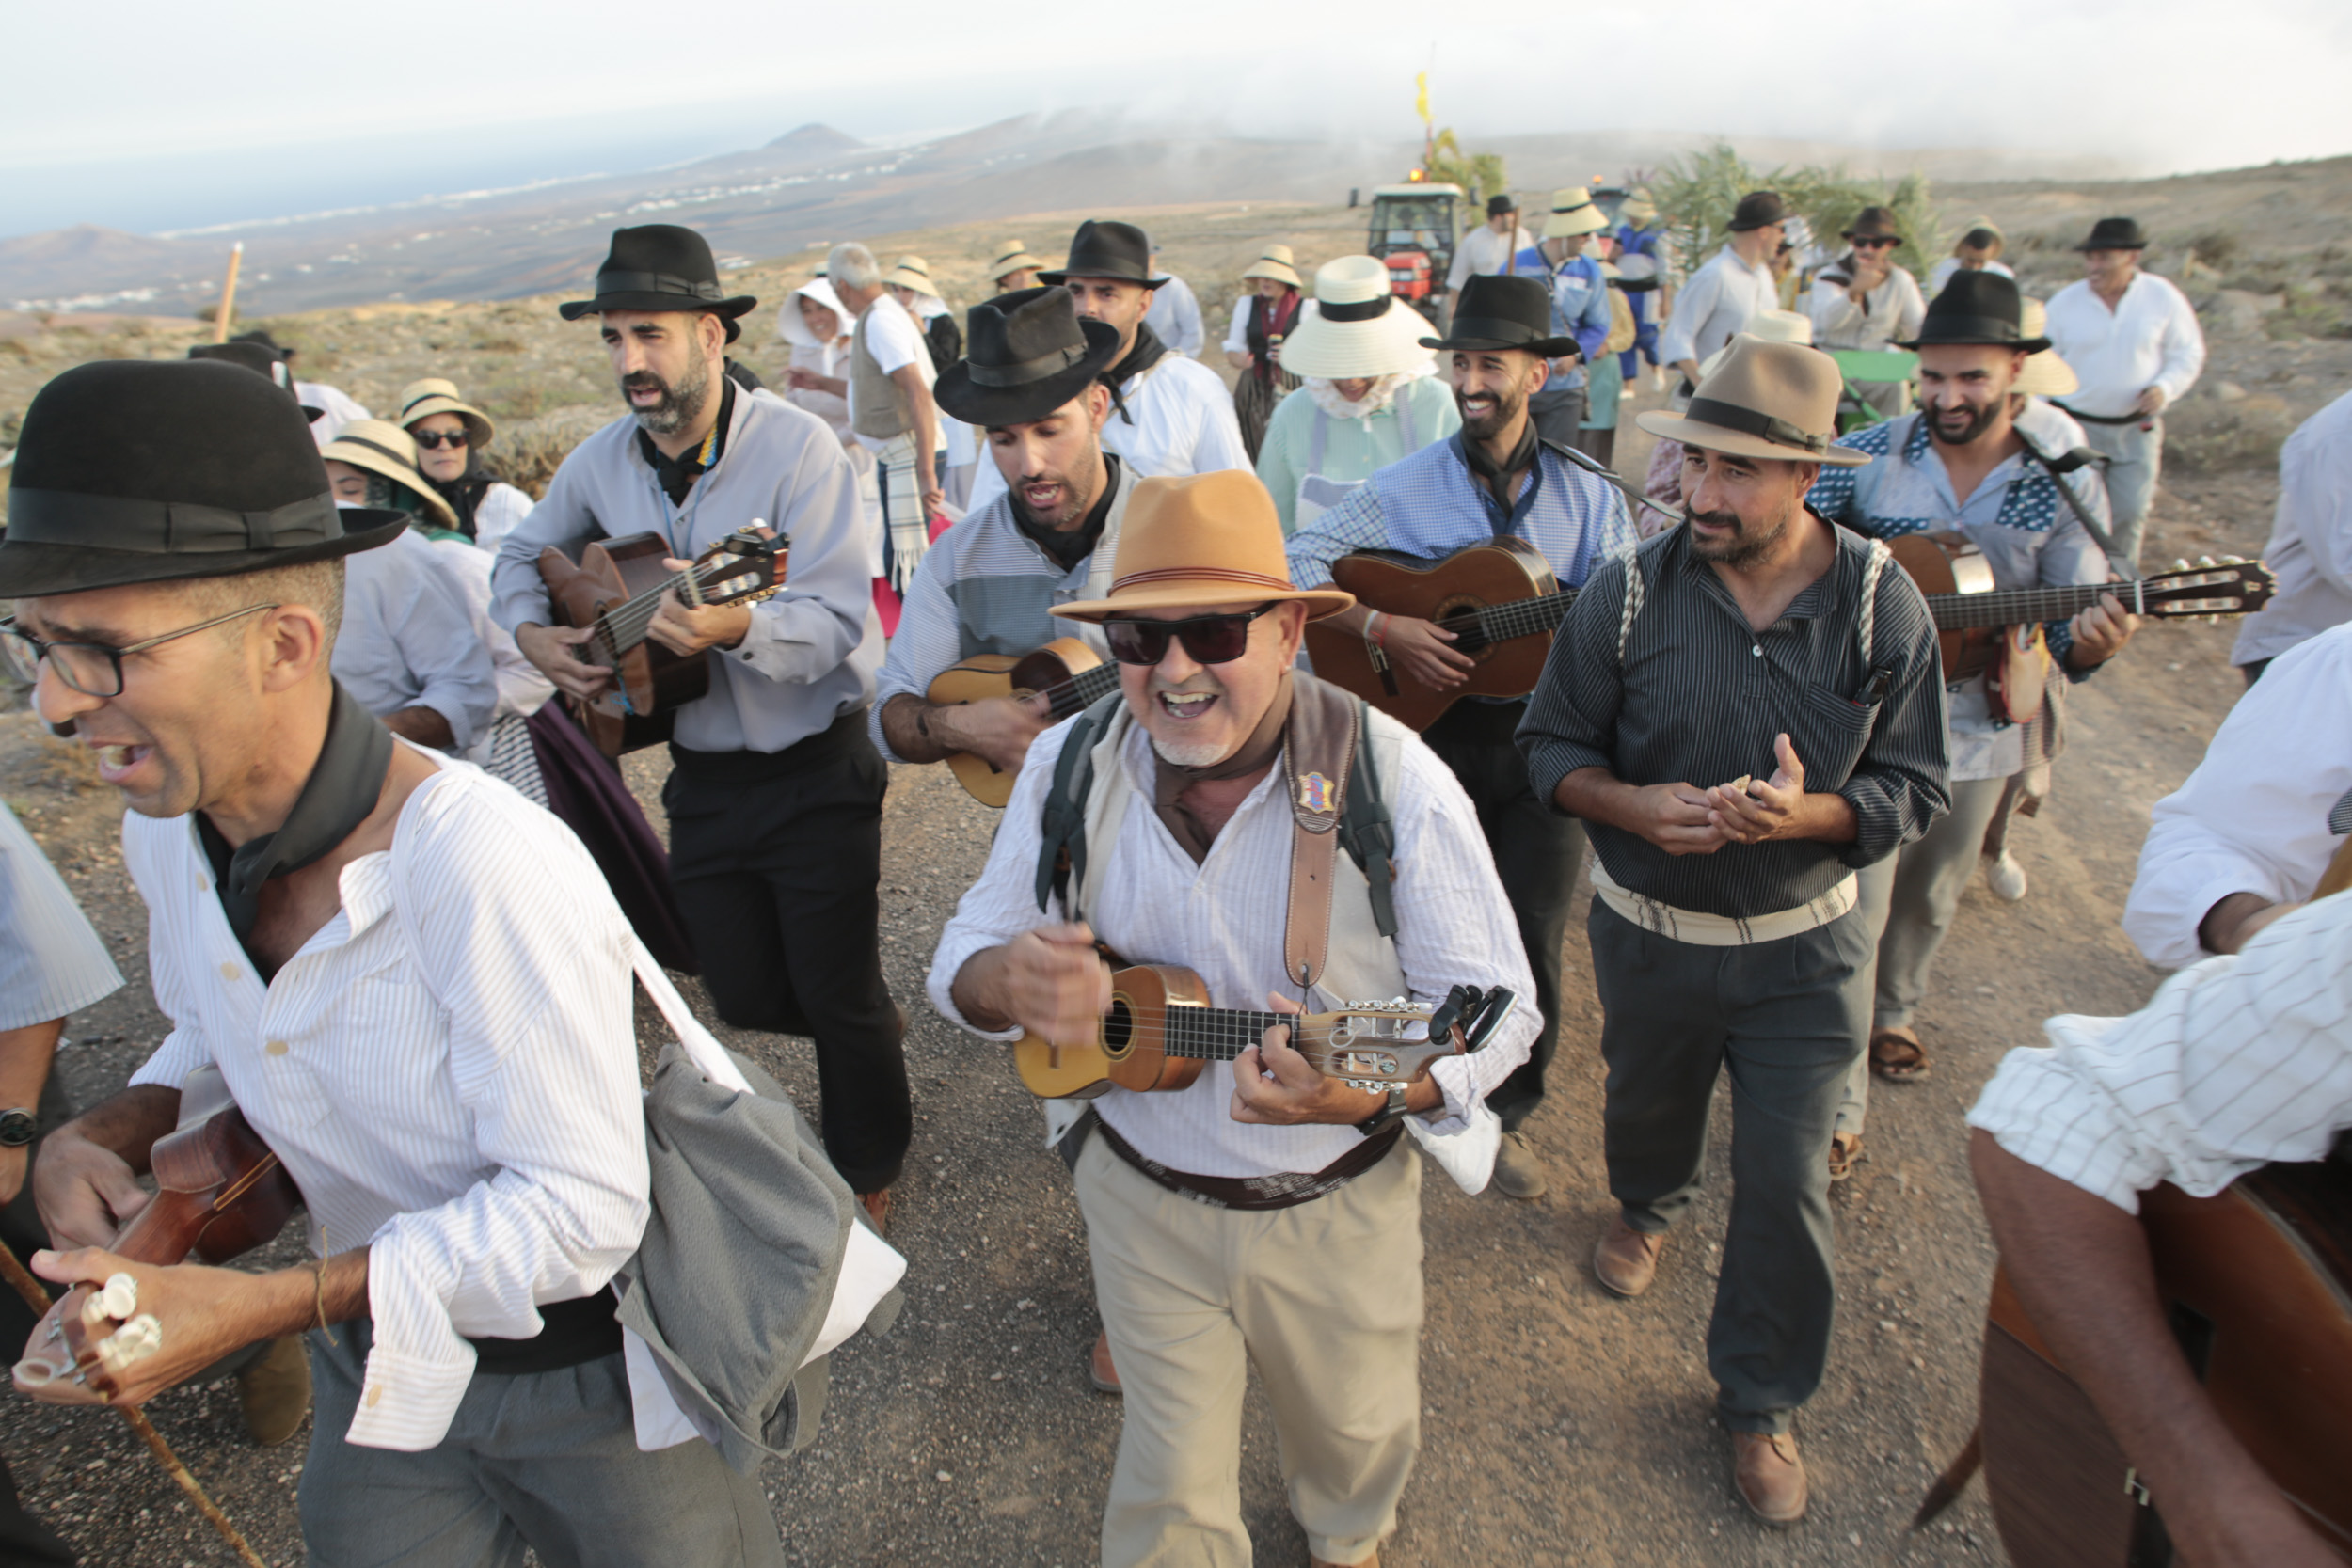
column 882, row 410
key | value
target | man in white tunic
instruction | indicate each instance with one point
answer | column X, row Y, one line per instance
column 1730, row 290
column 2310, row 542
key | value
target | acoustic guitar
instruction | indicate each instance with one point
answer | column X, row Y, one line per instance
column 1066, row 673
column 220, row 1193
column 616, row 587
column 1161, row 1032
column 1502, row 603
column 2257, row 1282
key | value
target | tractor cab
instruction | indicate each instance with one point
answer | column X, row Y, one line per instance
column 1413, row 231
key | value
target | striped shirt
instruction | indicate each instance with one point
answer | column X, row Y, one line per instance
column 2234, row 1063
column 1697, row 698
column 1223, row 919
column 52, row 963
column 448, row 1069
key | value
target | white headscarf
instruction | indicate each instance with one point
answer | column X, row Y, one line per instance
column 1327, row 395
column 791, row 327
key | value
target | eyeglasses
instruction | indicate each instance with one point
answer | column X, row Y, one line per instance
column 1209, row 639
column 1876, row 244
column 433, row 440
column 93, row 669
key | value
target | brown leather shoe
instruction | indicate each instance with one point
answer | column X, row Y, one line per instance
column 1099, row 1368
column 877, row 1207
column 1626, row 1259
column 273, row 1391
column 1769, row 1476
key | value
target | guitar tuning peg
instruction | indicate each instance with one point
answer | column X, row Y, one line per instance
column 2233, row 560
column 2180, row 564
column 2207, row 562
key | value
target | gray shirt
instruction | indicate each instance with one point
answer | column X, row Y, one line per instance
column 408, row 639
column 1698, row 697
column 51, row 962
column 812, row 650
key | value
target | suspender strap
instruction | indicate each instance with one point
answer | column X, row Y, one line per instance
column 1320, row 755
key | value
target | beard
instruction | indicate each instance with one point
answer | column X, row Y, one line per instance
column 1487, row 426
column 1076, row 500
column 1189, row 753
column 1979, row 420
column 1745, row 544
column 680, row 405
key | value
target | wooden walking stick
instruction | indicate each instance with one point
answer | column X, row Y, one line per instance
column 37, row 1299
column 227, row 295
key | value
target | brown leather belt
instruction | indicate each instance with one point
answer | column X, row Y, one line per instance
column 1283, row 1189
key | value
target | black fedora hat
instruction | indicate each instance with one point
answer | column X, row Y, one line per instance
column 1873, row 222
column 660, row 266
column 1104, row 247
column 1757, row 210
column 262, row 335
column 135, row 471
column 2116, row 234
column 1503, row 312
column 1030, row 354
column 261, row 360
column 1978, row 307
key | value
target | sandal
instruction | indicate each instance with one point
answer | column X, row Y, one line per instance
column 1896, row 1055
column 1844, row 1152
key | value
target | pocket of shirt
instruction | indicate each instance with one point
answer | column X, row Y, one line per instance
column 1828, row 733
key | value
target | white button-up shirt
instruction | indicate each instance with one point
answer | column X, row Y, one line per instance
column 1888, row 314
column 448, row 1069
column 2310, row 538
column 1485, row 253
column 1720, row 300
column 51, row 962
column 2233, row 1064
column 408, row 637
column 1178, row 420
column 2151, row 338
column 1223, row 920
column 2253, row 816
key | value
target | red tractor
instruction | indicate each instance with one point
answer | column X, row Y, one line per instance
column 1414, row 231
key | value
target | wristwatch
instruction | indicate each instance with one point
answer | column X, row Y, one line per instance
column 1392, row 1111
column 16, row 1128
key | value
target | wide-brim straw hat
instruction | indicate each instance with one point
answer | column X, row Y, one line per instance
column 1573, row 212
column 1772, row 401
column 1638, row 208
column 2046, row 375
column 1771, row 326
column 1275, row 262
column 913, row 272
column 433, row 395
column 793, row 327
column 1201, row 541
column 1013, row 256
column 1353, row 327
column 381, row 447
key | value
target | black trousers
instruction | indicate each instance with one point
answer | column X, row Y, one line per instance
column 1536, row 853
column 776, row 861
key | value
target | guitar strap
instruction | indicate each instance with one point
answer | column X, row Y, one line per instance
column 2057, row 470
column 1319, row 757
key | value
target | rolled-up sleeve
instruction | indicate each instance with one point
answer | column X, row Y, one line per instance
column 927, row 643
column 1572, row 719
column 1002, row 903
column 1902, row 782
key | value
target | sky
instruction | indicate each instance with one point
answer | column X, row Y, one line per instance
column 178, row 116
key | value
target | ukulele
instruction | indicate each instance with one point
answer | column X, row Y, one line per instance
column 1161, row 1032
column 616, row 587
column 220, row 1193
column 1500, row 600
column 2257, row 1283
column 1066, row 673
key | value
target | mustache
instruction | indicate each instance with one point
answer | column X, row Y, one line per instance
column 1714, row 520
column 640, row 381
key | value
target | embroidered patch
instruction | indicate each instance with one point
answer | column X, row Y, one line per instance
column 1315, row 794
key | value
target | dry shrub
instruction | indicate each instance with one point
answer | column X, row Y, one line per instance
column 530, row 450
column 2207, row 437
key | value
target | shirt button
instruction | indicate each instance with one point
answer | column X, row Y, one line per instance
column 203, row 886
column 375, row 1396
column 275, row 1047
column 229, row 972
column 1756, row 649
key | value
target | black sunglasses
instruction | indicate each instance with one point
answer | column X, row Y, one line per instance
column 1209, row 639
column 1876, row 244
column 432, row 440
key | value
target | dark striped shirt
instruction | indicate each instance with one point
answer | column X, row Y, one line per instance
column 1698, row 698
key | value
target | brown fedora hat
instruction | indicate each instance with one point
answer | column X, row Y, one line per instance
column 1766, row 400
column 1209, row 539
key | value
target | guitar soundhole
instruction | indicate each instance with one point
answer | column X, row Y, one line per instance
column 1473, row 639
column 1119, row 1028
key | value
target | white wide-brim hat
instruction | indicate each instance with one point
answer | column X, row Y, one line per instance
column 1353, row 327
column 1772, row 327
column 2046, row 375
column 793, row 327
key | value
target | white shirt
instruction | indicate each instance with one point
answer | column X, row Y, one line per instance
column 1223, row 919
column 2151, row 338
column 52, row 965
column 522, row 689
column 1484, row 252
column 1889, row 314
column 496, row 514
column 1941, row 272
column 452, row 1082
column 2233, row 1064
column 408, row 637
column 894, row 341
column 336, row 407
column 2310, row 538
column 1175, row 318
column 2253, row 816
column 1178, row 421
column 1720, row 300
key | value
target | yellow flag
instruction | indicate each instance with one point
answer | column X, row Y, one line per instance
column 1420, row 96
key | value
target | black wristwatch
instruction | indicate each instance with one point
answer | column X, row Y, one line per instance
column 17, row 1128
column 1392, row 1111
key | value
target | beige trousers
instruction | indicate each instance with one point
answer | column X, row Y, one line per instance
column 1324, row 1299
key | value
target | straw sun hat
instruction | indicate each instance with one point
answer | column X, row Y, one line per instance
column 913, row 272
column 1354, row 327
column 1011, row 257
column 1275, row 262
column 382, row 448
column 1572, row 213
column 435, row 396
column 1209, row 539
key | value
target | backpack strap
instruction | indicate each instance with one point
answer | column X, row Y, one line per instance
column 1368, row 830
column 1061, row 851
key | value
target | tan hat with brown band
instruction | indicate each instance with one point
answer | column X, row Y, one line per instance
column 1775, row 400
column 1205, row 540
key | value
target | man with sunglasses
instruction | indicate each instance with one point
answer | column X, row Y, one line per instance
column 1864, row 303
column 1264, row 1215
column 1495, row 478
column 412, row 983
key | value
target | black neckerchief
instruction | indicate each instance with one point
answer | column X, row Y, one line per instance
column 1148, row 352
column 345, row 784
column 676, row 475
column 1492, row 474
column 464, row 493
column 1070, row 548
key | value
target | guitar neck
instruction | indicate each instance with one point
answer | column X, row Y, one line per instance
column 1219, row 1033
column 624, row 625
column 1082, row 690
column 2019, row 607
column 1499, row 622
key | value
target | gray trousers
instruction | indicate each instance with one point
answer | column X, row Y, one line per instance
column 2135, row 458
column 1558, row 415
column 547, row 1461
column 1908, row 900
column 1784, row 1018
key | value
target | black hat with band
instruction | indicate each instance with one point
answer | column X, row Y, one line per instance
column 133, row 470
column 1978, row 307
column 1030, row 355
column 660, row 266
column 1499, row 312
column 1104, row 247
column 2116, row 234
